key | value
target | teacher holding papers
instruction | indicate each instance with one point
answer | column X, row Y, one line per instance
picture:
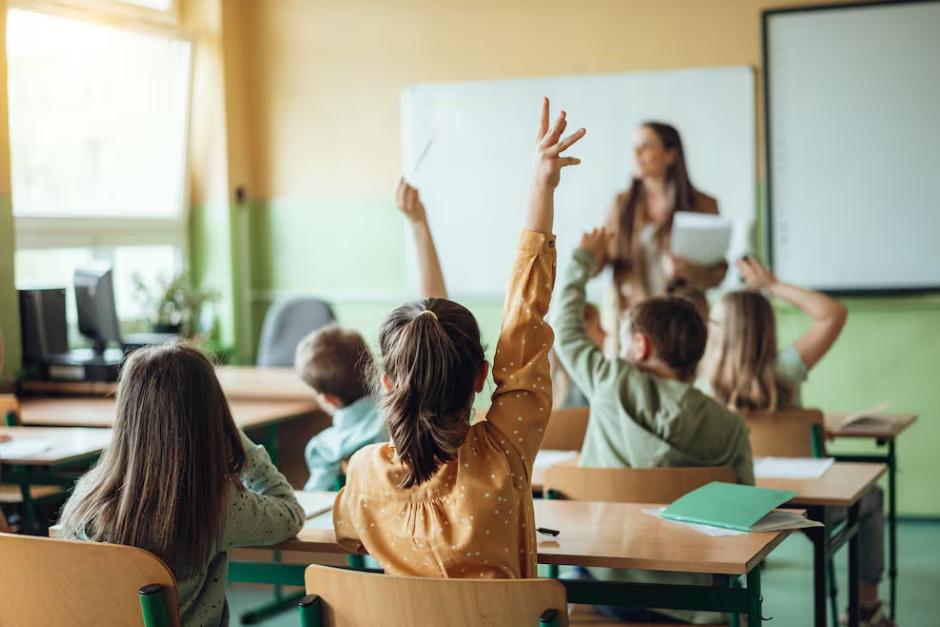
column 641, row 222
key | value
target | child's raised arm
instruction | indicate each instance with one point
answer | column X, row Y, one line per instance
column 828, row 314
column 522, row 401
column 429, row 266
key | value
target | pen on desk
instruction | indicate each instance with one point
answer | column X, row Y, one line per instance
column 547, row 531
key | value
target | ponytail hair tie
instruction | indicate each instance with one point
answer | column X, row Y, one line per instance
column 428, row 311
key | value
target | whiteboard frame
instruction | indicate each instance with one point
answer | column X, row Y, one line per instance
column 766, row 17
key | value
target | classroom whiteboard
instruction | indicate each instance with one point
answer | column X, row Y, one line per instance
column 476, row 173
column 853, row 147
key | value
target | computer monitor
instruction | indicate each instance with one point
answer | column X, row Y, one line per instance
column 97, row 313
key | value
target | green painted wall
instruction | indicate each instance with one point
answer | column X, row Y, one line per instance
column 9, row 307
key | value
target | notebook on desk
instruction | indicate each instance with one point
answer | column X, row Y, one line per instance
column 736, row 507
column 870, row 417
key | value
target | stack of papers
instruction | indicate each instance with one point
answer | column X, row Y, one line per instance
column 791, row 467
column 701, row 238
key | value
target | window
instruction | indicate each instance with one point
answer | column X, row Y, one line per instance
column 98, row 131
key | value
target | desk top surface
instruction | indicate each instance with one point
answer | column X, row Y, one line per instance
column 40, row 446
column 617, row 535
column 100, row 412
column 842, row 485
column 888, row 426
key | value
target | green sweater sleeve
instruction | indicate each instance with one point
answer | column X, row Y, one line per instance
column 584, row 362
column 264, row 509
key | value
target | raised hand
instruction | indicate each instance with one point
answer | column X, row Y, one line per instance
column 754, row 274
column 549, row 147
column 409, row 202
column 596, row 242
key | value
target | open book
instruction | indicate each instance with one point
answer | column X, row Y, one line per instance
column 867, row 417
column 736, row 507
column 777, row 520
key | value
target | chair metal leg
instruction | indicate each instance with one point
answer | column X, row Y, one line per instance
column 550, row 618
column 753, row 598
column 833, row 591
column 893, row 528
column 153, row 606
column 309, row 608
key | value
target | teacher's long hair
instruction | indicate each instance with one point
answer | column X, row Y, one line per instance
column 626, row 255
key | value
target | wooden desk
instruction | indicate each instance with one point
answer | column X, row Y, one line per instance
column 884, row 435
column 617, row 535
column 238, row 382
column 842, row 486
column 66, row 446
column 100, row 412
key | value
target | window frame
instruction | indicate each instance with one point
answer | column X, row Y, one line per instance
column 46, row 232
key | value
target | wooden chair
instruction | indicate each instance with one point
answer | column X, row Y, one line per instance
column 787, row 433
column 566, row 428
column 346, row 598
column 84, row 584
column 630, row 485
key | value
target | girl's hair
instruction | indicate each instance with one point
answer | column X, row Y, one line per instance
column 162, row 483
column 432, row 353
column 744, row 359
column 629, row 254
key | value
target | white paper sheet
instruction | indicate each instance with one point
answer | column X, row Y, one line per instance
column 315, row 503
column 700, row 238
column 546, row 458
column 791, row 467
column 22, row 448
column 322, row 521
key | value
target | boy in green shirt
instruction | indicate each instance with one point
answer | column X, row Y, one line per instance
column 645, row 410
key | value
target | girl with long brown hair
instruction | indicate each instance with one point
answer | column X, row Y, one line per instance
column 449, row 497
column 180, row 480
column 641, row 222
column 742, row 365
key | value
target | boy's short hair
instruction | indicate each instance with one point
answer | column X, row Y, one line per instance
column 676, row 329
column 337, row 361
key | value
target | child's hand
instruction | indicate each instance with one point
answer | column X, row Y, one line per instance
column 409, row 202
column 549, row 147
column 754, row 274
column 595, row 242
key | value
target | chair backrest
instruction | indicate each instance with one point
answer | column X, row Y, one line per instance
column 566, row 428
column 65, row 582
column 349, row 598
column 9, row 410
column 787, row 433
column 285, row 324
column 631, row 485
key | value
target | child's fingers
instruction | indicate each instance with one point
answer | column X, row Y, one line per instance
column 543, row 123
column 400, row 192
column 556, row 131
column 566, row 143
column 564, row 162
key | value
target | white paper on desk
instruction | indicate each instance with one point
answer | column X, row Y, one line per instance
column 21, row 448
column 321, row 521
column 791, row 467
column 701, row 238
column 315, row 503
column 708, row 530
column 546, row 458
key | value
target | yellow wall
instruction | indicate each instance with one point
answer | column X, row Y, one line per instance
column 9, row 306
column 326, row 77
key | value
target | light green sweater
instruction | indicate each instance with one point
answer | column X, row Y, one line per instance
column 262, row 513
column 639, row 420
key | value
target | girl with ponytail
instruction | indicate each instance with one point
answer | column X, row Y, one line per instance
column 447, row 498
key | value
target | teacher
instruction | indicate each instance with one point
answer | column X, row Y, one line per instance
column 641, row 223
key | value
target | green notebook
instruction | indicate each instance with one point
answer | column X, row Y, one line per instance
column 726, row 505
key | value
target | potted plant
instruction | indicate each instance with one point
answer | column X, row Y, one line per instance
column 175, row 305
